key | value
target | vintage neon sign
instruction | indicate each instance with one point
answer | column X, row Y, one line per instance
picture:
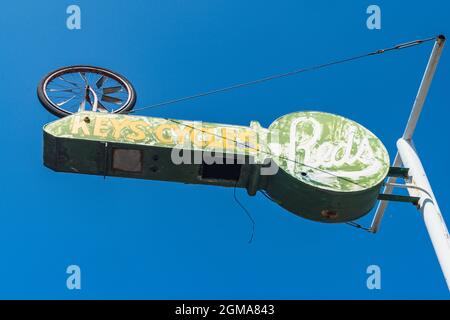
column 317, row 165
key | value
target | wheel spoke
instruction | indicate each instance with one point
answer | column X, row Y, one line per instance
column 82, row 106
column 61, row 90
column 71, row 82
column 112, row 89
column 65, row 101
column 66, row 91
column 73, row 105
column 60, row 85
column 83, row 76
column 99, row 83
column 111, row 99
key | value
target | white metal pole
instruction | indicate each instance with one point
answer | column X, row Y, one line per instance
column 424, row 87
column 429, row 208
column 412, row 121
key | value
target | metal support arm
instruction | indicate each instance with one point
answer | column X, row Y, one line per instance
column 412, row 122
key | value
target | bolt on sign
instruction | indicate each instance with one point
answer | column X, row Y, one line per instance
column 317, row 165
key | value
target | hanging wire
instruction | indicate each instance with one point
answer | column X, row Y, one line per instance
column 268, row 153
column 282, row 75
column 264, row 193
column 286, row 74
column 409, row 186
column 357, row 226
column 105, row 169
column 273, row 77
column 246, row 211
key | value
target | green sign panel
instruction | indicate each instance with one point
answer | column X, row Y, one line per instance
column 328, row 151
column 150, row 131
column 318, row 165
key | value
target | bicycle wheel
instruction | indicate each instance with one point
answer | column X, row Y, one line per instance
column 78, row 88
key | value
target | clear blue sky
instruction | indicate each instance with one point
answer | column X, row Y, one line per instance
column 142, row 239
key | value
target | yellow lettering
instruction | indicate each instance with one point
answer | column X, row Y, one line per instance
column 78, row 124
column 138, row 131
column 101, row 124
column 162, row 136
column 118, row 126
column 201, row 137
column 180, row 134
column 247, row 140
column 229, row 137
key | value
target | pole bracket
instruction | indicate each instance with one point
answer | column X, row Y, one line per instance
column 399, row 198
column 398, row 172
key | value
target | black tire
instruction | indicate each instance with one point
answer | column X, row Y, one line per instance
column 60, row 112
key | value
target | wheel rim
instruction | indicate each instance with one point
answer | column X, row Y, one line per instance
column 75, row 89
